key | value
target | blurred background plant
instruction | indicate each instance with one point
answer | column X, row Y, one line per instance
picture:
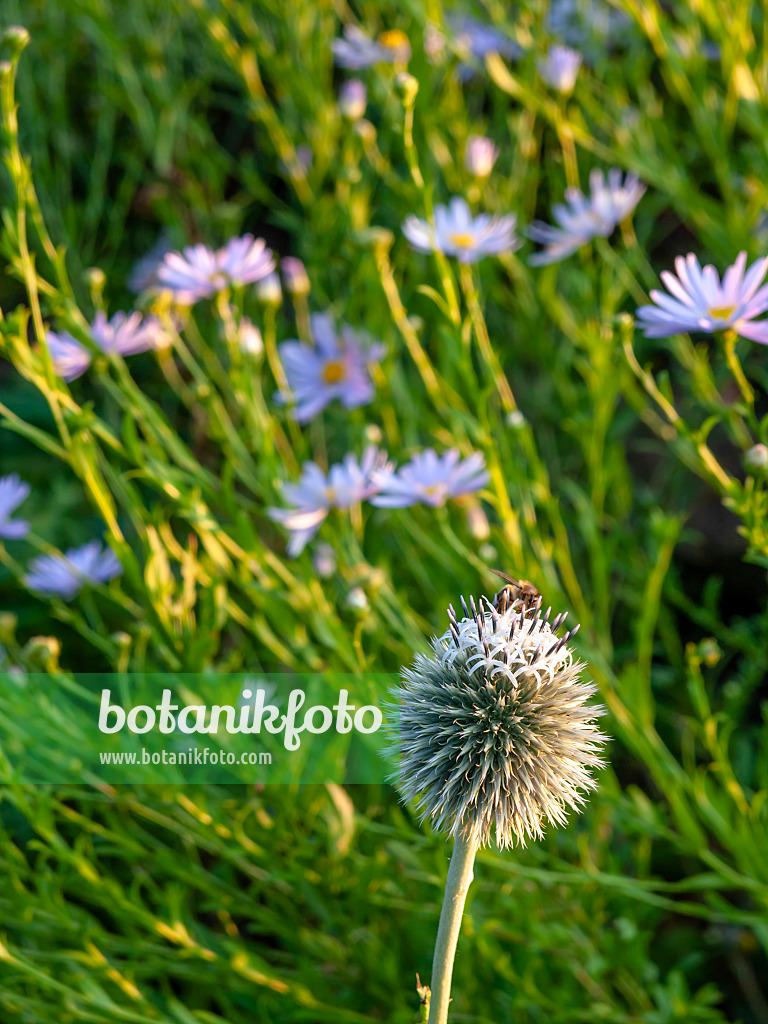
column 626, row 479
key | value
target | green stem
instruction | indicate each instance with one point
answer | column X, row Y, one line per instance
column 729, row 344
column 456, row 887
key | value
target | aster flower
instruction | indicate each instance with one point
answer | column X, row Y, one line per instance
column 560, row 68
column 430, row 479
column 478, row 39
column 199, row 273
column 698, row 301
column 124, row 334
column 69, row 357
column 65, row 575
column 357, row 50
column 495, row 735
column 480, row 155
column 580, row 219
column 13, row 490
column 456, row 232
column 337, row 367
column 347, row 483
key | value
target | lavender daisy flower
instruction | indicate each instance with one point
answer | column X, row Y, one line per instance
column 457, row 233
column 199, row 273
column 560, row 68
column 126, row 334
column 65, row 575
column 478, row 39
column 480, row 155
column 316, row 493
column 430, row 479
column 580, row 219
column 337, row 367
column 697, row 300
column 357, row 50
column 70, row 359
column 13, row 490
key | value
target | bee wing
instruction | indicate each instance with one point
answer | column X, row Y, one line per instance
column 504, row 576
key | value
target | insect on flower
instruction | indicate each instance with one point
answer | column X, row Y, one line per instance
column 518, row 590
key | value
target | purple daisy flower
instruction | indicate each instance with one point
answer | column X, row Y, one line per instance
column 316, row 493
column 13, row 490
column 456, row 232
column 70, row 359
column 698, row 301
column 337, row 367
column 357, row 50
column 124, row 334
column 65, row 575
column 581, row 219
column 199, row 273
column 430, row 479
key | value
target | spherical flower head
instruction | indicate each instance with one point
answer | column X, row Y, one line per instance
column 353, row 99
column 13, row 490
column 65, row 575
column 755, row 460
column 338, row 367
column 582, row 218
column 495, row 735
column 456, row 232
column 430, row 479
column 560, row 68
column 357, row 50
column 480, row 155
column 698, row 301
column 199, row 272
column 294, row 276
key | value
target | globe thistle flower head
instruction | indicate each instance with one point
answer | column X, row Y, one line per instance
column 495, row 735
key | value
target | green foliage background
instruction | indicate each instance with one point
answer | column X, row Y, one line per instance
column 621, row 493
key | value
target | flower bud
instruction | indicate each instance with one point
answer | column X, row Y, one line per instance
column 249, row 337
column 357, row 600
column 756, row 459
column 324, row 560
column 480, row 155
column 406, row 87
column 353, row 98
column 477, row 522
column 269, row 290
column 294, row 276
column 560, row 68
column 16, row 38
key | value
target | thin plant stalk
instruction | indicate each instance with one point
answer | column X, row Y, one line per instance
column 460, row 874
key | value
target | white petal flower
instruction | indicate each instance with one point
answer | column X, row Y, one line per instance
column 456, row 232
column 582, row 218
column 430, row 479
column 698, row 301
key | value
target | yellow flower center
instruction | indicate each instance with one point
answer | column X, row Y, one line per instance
column 218, row 280
column 333, row 372
column 722, row 312
column 463, row 239
column 330, row 494
column 393, row 39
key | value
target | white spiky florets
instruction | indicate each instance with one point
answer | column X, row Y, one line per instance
column 495, row 735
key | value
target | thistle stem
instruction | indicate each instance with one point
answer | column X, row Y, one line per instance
column 456, row 887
